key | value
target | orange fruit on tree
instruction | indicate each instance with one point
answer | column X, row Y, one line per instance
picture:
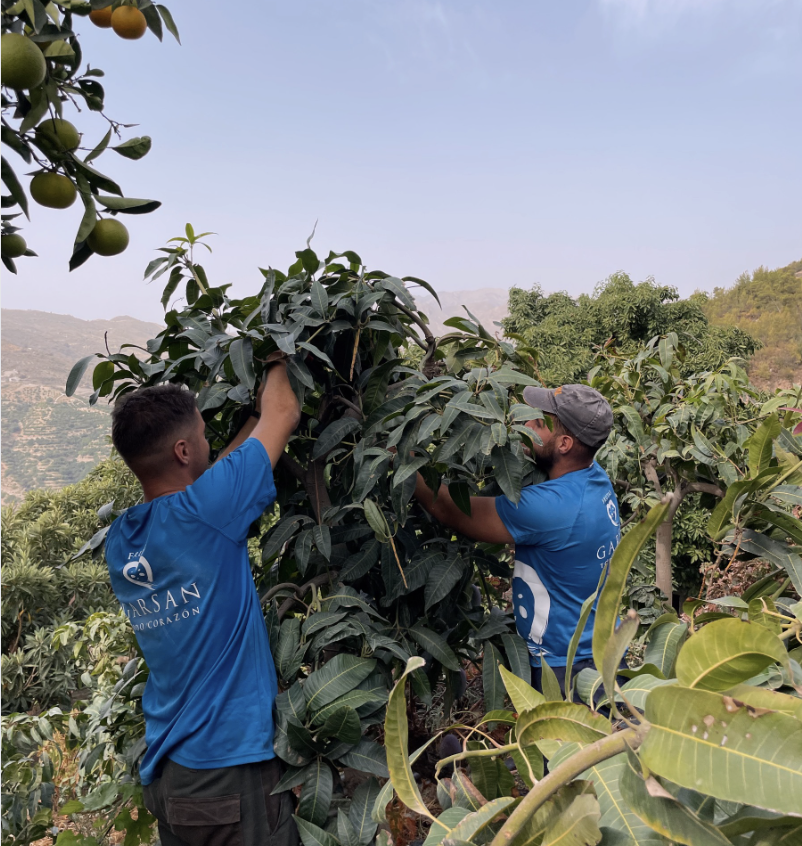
column 53, row 190
column 59, row 133
column 13, row 246
column 23, row 65
column 128, row 22
column 101, row 17
column 108, row 238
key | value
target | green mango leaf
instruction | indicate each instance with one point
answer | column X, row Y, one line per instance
column 343, row 724
column 359, row 812
column 508, row 472
column 475, row 823
column 760, row 444
column 442, row 579
column 517, row 656
column 435, row 645
column 548, row 681
column 241, row 353
column 491, row 678
column 706, row 742
column 335, row 678
column 313, row 835
column 396, row 742
column 577, row 825
column 313, row 806
column 444, row 824
column 727, row 652
column 333, row 434
column 522, row 695
column 367, row 757
column 663, row 813
column 77, row 373
column 620, row 565
column 763, row 612
column 561, row 721
column 663, row 647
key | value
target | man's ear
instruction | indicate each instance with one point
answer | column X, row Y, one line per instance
column 181, row 452
column 565, row 445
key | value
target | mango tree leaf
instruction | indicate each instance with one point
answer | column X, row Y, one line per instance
column 313, row 835
column 662, row 812
column 517, row 656
column 759, row 444
column 663, row 646
column 435, row 645
column 561, row 721
column 727, row 652
column 474, row 823
column 344, row 725
column 491, row 679
column 77, row 373
column 335, row 678
column 316, row 794
column 577, row 825
column 333, row 434
column 441, row 580
column 522, row 695
column 359, row 812
column 706, row 742
column 241, row 353
column 636, row 690
column 396, row 742
column 620, row 565
column 508, row 472
column 367, row 757
column 444, row 825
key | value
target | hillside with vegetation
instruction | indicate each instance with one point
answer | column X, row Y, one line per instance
column 50, row 440
column 768, row 305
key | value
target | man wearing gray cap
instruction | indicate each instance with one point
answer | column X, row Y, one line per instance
column 564, row 530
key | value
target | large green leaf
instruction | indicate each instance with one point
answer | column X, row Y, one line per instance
column 315, row 799
column 561, row 721
column 577, row 825
column 435, row 645
column 636, row 690
column 443, row 825
column 335, row 678
column 508, row 472
column 442, row 578
column 77, row 373
column 517, row 656
column 615, row 648
column 343, row 724
column 727, row 652
column 760, row 444
column 664, row 813
column 333, row 434
column 396, row 742
column 313, row 835
column 619, row 825
column 522, row 695
column 352, row 699
column 367, row 757
column 663, row 646
column 359, row 812
column 491, row 679
column 477, row 821
column 610, row 600
column 706, row 742
column 759, row 697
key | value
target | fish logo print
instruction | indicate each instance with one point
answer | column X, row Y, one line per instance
column 139, row 572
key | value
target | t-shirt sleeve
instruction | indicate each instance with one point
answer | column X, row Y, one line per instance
column 232, row 493
column 541, row 514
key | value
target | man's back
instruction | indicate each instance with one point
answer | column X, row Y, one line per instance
column 179, row 567
column 565, row 531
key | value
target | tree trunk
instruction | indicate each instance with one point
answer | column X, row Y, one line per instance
column 662, row 556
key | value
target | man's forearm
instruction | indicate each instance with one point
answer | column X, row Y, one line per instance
column 240, row 438
column 442, row 508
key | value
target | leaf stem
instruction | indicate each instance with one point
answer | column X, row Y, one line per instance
column 566, row 772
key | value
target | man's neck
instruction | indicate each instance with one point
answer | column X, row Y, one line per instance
column 155, row 488
column 559, row 470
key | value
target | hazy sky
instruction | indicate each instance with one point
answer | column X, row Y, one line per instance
column 473, row 144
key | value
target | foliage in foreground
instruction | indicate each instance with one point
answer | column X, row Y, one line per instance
column 702, row 749
column 44, row 77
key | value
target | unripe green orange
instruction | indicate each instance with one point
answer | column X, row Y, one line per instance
column 128, row 22
column 59, row 133
column 101, row 17
column 13, row 246
column 53, row 190
column 23, row 66
column 108, row 238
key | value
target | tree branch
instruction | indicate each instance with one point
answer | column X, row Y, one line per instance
column 650, row 471
column 580, row 761
column 705, row 487
column 292, row 466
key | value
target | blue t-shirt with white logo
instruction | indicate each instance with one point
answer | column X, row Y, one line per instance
column 565, row 531
column 179, row 567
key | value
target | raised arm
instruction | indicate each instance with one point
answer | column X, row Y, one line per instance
column 484, row 524
column 279, row 410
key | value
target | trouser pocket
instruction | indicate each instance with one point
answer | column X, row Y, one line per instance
column 205, row 821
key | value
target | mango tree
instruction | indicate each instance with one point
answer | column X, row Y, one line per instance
column 704, row 749
column 355, row 578
column 675, row 435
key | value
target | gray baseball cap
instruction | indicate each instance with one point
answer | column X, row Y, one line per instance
column 581, row 409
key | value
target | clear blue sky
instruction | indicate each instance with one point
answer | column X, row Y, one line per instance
column 470, row 143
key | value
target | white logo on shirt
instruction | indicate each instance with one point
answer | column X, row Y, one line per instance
column 139, row 573
column 612, row 512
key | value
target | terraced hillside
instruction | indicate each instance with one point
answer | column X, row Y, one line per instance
column 50, row 440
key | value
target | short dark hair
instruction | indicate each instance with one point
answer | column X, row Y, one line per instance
column 144, row 419
column 586, row 449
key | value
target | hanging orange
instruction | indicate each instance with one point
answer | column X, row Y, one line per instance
column 128, row 22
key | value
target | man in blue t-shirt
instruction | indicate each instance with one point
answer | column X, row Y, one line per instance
column 179, row 567
column 564, row 530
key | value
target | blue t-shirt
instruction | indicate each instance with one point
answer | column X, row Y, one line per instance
column 179, row 567
column 565, row 531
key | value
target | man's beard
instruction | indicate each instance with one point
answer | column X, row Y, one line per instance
column 544, row 457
